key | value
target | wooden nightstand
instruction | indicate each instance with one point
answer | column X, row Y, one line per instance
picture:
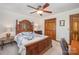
column 38, row 32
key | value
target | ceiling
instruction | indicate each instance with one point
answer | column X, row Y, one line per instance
column 23, row 9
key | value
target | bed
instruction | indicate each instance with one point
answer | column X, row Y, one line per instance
column 30, row 43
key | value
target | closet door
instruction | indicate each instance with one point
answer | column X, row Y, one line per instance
column 50, row 28
column 74, row 27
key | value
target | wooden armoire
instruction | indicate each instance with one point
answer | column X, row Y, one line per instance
column 50, row 28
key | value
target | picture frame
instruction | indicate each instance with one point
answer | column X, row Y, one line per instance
column 62, row 22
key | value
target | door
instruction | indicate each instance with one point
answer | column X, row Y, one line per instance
column 50, row 28
column 74, row 27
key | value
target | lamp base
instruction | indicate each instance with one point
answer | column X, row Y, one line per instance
column 8, row 35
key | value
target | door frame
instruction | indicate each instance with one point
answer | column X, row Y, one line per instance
column 70, row 26
column 55, row 25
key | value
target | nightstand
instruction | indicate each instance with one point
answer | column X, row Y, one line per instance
column 38, row 32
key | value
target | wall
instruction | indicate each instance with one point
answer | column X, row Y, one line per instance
column 8, row 18
column 63, row 31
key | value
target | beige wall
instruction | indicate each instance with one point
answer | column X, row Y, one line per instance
column 61, row 31
column 9, row 18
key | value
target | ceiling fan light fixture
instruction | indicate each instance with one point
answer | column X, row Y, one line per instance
column 39, row 12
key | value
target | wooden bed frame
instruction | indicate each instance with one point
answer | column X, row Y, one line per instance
column 35, row 48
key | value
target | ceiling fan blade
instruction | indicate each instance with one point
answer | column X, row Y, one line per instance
column 33, row 12
column 39, row 7
column 31, row 7
column 46, row 5
column 48, row 11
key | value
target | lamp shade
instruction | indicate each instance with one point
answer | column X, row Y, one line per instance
column 36, row 27
column 8, row 29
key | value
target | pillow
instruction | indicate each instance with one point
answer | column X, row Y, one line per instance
column 28, row 35
column 24, row 36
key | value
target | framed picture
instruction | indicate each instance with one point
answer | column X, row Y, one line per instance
column 62, row 22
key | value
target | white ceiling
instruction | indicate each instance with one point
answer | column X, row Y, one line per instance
column 23, row 9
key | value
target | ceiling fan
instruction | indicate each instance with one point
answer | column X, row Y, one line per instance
column 40, row 9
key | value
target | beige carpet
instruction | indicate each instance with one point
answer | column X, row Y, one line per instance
column 9, row 49
column 12, row 49
column 55, row 50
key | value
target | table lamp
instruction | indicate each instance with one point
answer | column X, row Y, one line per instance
column 36, row 27
column 8, row 31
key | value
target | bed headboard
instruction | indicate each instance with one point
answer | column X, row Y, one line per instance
column 23, row 26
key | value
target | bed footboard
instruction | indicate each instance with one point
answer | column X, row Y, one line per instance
column 40, row 47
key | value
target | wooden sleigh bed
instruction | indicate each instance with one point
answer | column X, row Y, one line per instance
column 38, row 47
